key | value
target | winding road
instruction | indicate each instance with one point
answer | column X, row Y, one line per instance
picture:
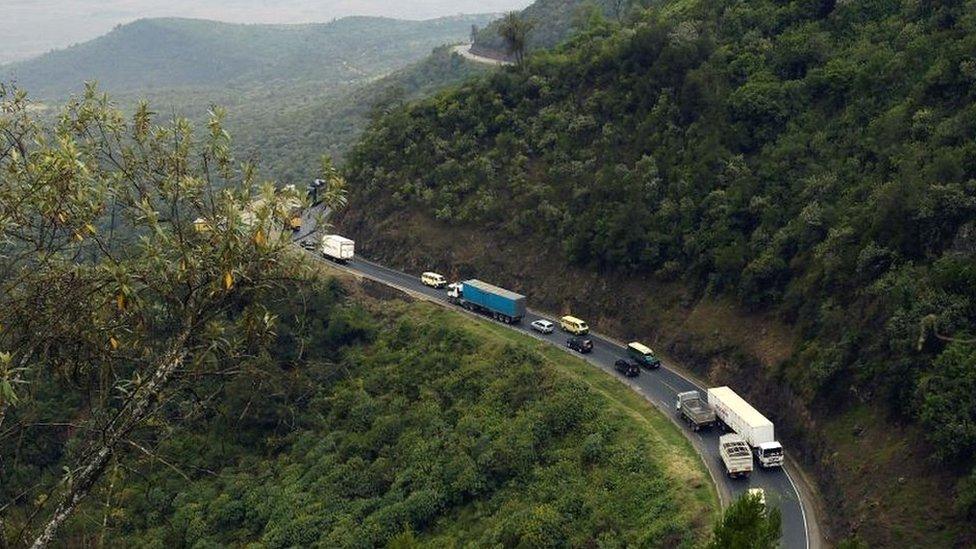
column 464, row 50
column 783, row 490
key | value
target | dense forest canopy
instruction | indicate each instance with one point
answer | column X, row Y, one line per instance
column 369, row 423
column 812, row 158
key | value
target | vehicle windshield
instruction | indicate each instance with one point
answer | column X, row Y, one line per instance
column 773, row 452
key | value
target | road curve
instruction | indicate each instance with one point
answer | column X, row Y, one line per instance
column 660, row 388
column 464, row 50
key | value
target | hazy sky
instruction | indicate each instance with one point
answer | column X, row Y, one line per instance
column 31, row 27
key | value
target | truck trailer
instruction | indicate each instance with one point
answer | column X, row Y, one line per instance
column 735, row 455
column 739, row 416
column 338, row 248
column 694, row 410
column 499, row 303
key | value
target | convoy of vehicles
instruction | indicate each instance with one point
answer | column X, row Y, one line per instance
column 433, row 280
column 580, row 344
column 735, row 454
column 481, row 297
column 542, row 326
column 735, row 413
column 338, row 248
column 627, row 367
column 643, row 355
column 694, row 410
column 573, row 325
column 752, row 432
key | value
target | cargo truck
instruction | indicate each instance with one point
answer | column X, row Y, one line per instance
column 338, row 248
column 694, row 410
column 734, row 412
column 484, row 298
column 735, row 455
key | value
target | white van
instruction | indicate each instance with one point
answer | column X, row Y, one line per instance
column 433, row 280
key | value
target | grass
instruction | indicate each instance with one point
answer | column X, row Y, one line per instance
column 671, row 448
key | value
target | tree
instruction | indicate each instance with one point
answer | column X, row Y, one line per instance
column 747, row 524
column 948, row 403
column 135, row 260
column 515, row 30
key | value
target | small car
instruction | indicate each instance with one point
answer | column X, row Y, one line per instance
column 307, row 244
column 627, row 367
column 542, row 326
column 580, row 344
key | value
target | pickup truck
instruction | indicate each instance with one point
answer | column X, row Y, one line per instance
column 736, row 455
column 694, row 410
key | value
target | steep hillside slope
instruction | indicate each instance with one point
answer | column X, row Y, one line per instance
column 183, row 53
column 376, row 421
column 781, row 192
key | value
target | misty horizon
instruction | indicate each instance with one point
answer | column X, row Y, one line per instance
column 34, row 27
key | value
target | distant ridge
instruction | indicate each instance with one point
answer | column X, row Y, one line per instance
column 177, row 53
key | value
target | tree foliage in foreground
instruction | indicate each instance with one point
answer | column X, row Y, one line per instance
column 357, row 428
column 134, row 260
column 747, row 524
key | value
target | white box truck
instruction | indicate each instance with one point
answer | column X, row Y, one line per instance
column 337, row 248
column 753, row 427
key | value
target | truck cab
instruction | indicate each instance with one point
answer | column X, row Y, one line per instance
column 770, row 454
column 455, row 290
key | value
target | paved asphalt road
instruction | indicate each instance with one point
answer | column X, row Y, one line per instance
column 660, row 387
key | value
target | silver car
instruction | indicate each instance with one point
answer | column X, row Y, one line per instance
column 542, row 326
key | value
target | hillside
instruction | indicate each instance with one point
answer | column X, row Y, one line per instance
column 290, row 140
column 554, row 21
column 375, row 421
column 185, row 54
column 779, row 193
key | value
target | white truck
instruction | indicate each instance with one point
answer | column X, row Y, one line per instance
column 338, row 248
column 735, row 455
column 753, row 427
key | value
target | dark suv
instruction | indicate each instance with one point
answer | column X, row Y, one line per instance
column 580, row 344
column 627, row 367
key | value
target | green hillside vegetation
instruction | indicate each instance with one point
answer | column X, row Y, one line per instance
column 555, row 21
column 369, row 423
column 292, row 92
column 194, row 55
column 806, row 159
column 290, row 139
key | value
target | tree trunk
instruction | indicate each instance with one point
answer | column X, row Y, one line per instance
column 132, row 414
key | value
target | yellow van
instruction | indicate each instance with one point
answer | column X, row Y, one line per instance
column 574, row 325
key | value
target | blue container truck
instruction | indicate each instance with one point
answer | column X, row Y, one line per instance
column 478, row 296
